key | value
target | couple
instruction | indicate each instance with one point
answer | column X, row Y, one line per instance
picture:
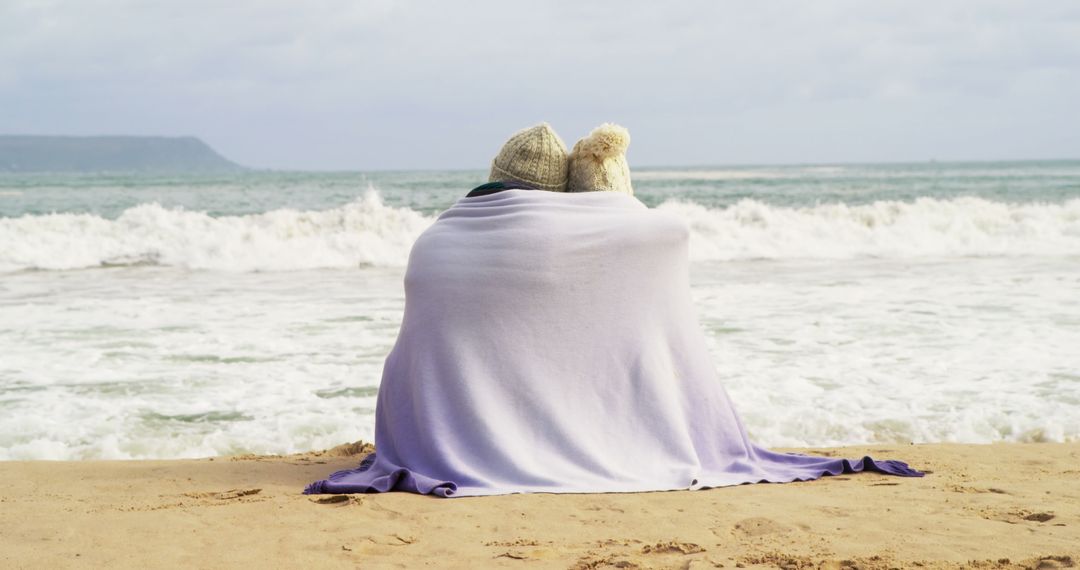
column 536, row 159
column 549, row 344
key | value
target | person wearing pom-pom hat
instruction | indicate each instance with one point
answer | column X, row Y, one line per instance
column 598, row 162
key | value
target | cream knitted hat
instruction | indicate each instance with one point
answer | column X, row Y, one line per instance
column 535, row 156
column 598, row 161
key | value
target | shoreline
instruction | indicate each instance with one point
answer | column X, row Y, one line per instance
column 1003, row 505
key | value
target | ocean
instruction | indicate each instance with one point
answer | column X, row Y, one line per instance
column 188, row 316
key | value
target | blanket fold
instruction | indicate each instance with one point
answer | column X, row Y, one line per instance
column 549, row 344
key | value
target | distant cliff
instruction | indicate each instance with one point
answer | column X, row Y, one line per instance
column 19, row 153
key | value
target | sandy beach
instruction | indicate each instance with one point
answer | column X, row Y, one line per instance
column 980, row 506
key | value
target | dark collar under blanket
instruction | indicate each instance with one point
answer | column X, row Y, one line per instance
column 494, row 187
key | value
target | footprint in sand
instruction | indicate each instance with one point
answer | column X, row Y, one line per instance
column 1048, row 562
column 530, row 554
column 594, row 561
column 526, row 549
column 202, row 499
column 624, row 553
column 672, row 547
column 235, row 494
column 221, row 497
column 385, row 545
column 339, row 500
column 965, row 489
column 1016, row 517
column 759, row 526
column 393, row 540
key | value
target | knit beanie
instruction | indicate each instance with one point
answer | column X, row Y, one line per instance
column 598, row 161
column 535, row 156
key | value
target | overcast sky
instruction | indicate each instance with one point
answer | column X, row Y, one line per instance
column 353, row 84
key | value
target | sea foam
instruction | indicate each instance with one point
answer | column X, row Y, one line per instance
column 365, row 232
column 926, row 227
column 368, row 232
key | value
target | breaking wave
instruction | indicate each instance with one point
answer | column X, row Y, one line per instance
column 368, row 232
column 362, row 233
column 925, row 227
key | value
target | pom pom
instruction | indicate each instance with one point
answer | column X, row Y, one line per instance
column 606, row 141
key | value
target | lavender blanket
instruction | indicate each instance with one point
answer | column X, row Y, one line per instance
column 549, row 344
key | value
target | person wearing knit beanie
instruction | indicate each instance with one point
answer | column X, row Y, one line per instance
column 535, row 156
column 598, row 161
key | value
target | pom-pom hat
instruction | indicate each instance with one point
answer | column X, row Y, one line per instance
column 598, row 161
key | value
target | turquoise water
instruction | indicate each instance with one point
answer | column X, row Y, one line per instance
column 433, row 191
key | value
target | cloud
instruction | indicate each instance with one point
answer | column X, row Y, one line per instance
column 413, row 84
